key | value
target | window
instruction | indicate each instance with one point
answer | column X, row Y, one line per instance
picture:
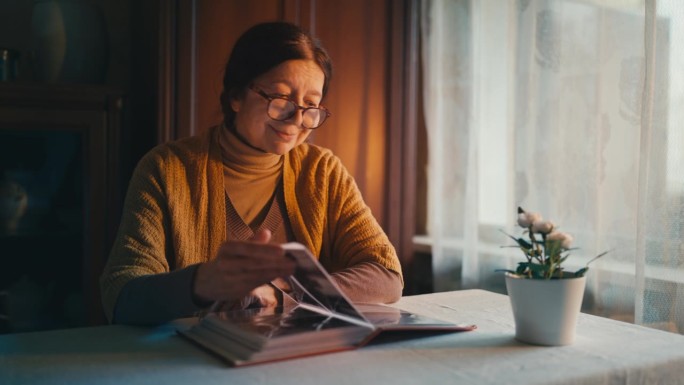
column 568, row 108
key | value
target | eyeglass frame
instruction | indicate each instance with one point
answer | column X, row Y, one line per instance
column 270, row 99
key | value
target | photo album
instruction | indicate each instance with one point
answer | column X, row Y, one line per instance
column 314, row 317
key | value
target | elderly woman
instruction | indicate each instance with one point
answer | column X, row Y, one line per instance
column 204, row 216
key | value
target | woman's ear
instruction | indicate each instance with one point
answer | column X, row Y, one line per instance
column 235, row 104
column 235, row 100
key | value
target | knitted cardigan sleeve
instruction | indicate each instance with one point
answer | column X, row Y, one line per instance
column 170, row 218
column 329, row 215
column 139, row 248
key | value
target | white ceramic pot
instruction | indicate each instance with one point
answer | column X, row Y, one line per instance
column 545, row 311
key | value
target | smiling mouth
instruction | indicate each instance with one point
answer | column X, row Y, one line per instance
column 284, row 135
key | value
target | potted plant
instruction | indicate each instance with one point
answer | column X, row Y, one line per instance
column 546, row 299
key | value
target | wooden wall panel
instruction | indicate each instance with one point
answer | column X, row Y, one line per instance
column 208, row 30
column 355, row 34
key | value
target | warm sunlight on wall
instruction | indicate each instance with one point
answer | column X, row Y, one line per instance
column 221, row 24
column 356, row 40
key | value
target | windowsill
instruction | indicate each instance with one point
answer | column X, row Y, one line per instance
column 423, row 244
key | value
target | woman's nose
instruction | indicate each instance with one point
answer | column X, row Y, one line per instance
column 298, row 117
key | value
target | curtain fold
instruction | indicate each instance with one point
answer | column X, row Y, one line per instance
column 572, row 109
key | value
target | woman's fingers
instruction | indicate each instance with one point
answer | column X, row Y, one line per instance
column 250, row 250
column 239, row 267
column 262, row 296
column 262, row 236
column 246, row 258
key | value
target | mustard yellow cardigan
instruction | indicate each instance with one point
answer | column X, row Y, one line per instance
column 174, row 213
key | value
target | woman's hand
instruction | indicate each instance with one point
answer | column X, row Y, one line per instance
column 242, row 268
column 262, row 296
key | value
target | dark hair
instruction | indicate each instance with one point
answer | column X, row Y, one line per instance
column 263, row 47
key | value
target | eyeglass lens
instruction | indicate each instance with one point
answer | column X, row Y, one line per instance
column 283, row 109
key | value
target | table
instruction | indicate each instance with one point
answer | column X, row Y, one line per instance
column 605, row 352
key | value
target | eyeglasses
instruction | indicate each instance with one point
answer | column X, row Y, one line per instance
column 281, row 108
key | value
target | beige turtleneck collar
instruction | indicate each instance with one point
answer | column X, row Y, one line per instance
column 250, row 177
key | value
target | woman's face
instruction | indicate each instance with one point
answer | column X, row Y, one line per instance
column 300, row 81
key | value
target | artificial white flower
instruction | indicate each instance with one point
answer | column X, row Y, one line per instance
column 567, row 242
column 565, row 239
column 543, row 227
column 544, row 254
column 527, row 219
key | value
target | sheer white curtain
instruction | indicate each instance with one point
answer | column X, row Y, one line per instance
column 570, row 108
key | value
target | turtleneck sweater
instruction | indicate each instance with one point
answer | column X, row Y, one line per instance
column 250, row 177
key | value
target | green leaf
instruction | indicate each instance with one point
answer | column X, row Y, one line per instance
column 581, row 272
column 598, row 256
column 522, row 268
column 552, row 248
column 524, row 243
column 537, row 269
column 506, row 271
column 520, row 241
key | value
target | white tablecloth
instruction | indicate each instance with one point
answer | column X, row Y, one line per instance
column 605, row 352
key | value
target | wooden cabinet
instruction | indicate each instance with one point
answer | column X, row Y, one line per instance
column 60, row 154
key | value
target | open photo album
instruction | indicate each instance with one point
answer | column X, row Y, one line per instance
column 315, row 317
